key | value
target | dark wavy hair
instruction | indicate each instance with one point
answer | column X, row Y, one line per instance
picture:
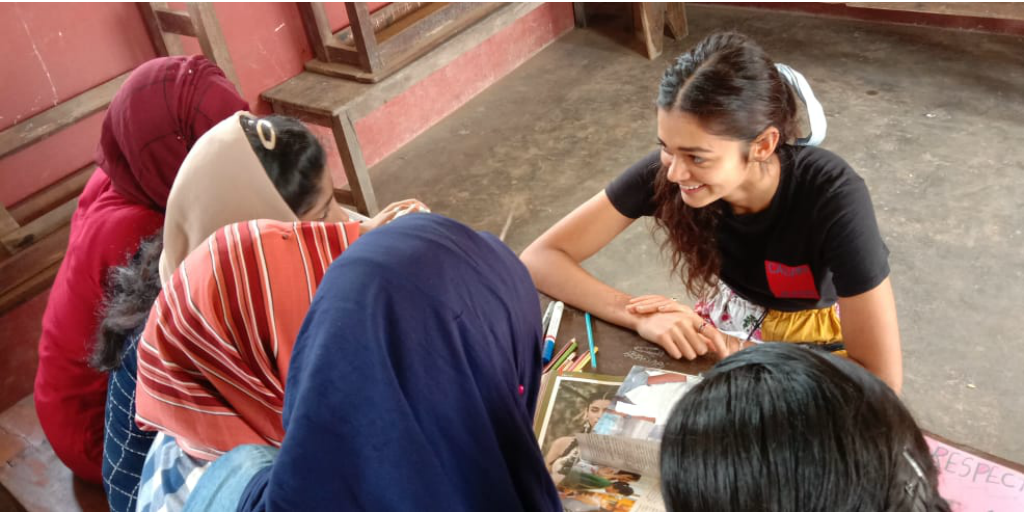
column 780, row 428
column 130, row 292
column 731, row 85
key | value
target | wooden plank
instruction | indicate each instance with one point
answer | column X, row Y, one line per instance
column 28, row 288
column 675, row 20
column 579, row 14
column 380, row 19
column 997, row 10
column 344, row 195
column 7, row 222
column 49, row 122
column 363, row 36
column 355, row 166
column 175, row 22
column 7, row 225
column 317, row 27
column 649, row 26
column 351, row 72
column 343, row 55
column 34, row 259
column 164, row 44
column 414, row 36
column 211, row 39
column 390, row 14
column 26, row 235
column 430, row 10
column 52, row 196
column 317, row 97
column 301, row 111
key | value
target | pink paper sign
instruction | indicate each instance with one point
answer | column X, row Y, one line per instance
column 973, row 484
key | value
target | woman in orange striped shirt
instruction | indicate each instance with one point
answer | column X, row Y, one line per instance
column 213, row 358
column 214, row 355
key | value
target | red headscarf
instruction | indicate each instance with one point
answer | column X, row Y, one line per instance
column 163, row 107
column 156, row 117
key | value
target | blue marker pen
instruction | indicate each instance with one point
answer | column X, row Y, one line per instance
column 552, row 333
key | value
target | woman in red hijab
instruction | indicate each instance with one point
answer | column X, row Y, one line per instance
column 152, row 123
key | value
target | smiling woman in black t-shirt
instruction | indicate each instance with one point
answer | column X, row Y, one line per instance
column 776, row 237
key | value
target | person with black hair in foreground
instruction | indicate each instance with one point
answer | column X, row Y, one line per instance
column 781, row 427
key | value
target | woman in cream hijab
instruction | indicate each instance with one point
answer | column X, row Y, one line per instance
column 249, row 168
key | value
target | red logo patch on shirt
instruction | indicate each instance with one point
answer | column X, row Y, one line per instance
column 790, row 282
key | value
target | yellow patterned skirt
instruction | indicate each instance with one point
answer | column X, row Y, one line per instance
column 741, row 319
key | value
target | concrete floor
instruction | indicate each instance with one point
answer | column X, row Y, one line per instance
column 932, row 119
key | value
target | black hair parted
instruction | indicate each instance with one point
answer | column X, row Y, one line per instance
column 295, row 162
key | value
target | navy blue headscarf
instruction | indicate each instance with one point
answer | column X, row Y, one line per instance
column 414, row 381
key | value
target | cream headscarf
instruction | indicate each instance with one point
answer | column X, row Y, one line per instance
column 220, row 182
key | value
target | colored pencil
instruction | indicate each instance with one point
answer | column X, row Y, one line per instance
column 558, row 358
column 590, row 338
column 567, row 364
column 582, row 362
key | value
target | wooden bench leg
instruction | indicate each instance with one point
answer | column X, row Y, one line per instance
column 649, row 26
column 7, row 225
column 355, row 167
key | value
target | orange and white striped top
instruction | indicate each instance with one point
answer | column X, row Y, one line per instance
column 213, row 358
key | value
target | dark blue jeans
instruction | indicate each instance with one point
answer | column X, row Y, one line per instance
column 124, row 445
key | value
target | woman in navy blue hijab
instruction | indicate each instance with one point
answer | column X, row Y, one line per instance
column 412, row 385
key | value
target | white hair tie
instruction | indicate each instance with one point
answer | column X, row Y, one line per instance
column 815, row 112
column 268, row 142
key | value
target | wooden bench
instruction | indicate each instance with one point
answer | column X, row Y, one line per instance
column 338, row 103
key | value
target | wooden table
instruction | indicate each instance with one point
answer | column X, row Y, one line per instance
column 621, row 349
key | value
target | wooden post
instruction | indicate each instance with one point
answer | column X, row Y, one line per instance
column 362, row 31
column 211, row 39
column 7, row 225
column 355, row 167
column 649, row 26
column 579, row 13
column 318, row 30
column 164, row 43
column 675, row 20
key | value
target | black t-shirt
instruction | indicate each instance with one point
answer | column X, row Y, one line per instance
column 818, row 239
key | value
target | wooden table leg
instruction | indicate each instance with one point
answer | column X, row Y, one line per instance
column 675, row 20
